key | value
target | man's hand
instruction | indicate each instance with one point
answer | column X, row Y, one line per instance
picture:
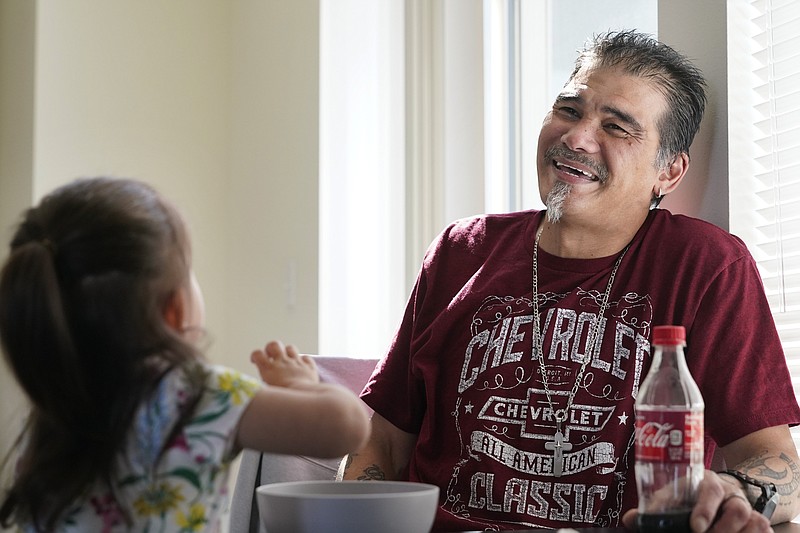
column 724, row 506
column 721, row 507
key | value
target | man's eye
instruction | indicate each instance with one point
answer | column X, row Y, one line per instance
column 569, row 111
column 616, row 129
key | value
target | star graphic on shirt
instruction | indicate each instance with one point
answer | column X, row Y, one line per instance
column 468, row 408
column 623, row 418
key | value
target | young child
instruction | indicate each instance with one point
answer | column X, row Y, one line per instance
column 130, row 428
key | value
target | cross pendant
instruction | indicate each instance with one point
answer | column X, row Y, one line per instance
column 559, row 446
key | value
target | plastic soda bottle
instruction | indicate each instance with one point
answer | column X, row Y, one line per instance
column 669, row 436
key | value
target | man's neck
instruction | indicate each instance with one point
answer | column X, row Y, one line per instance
column 569, row 239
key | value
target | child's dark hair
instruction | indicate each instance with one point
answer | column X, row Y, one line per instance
column 82, row 295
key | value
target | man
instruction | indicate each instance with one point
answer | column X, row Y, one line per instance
column 512, row 379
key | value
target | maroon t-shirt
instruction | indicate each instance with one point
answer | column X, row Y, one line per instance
column 461, row 373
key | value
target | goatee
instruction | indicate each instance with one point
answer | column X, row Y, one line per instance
column 555, row 201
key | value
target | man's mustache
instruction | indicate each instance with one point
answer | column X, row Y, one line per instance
column 601, row 171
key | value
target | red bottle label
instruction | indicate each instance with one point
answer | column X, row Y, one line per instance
column 669, row 436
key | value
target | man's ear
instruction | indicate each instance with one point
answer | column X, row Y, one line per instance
column 173, row 310
column 671, row 176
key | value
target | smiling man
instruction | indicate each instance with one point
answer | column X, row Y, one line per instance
column 512, row 379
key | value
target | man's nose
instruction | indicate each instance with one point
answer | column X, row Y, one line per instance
column 581, row 136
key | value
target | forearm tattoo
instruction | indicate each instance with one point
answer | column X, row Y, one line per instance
column 370, row 473
column 780, row 470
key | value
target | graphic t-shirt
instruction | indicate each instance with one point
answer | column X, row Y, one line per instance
column 186, row 489
column 462, row 373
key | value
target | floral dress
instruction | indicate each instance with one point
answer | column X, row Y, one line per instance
column 186, row 489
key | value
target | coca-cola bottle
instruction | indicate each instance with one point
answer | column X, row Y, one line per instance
column 669, row 436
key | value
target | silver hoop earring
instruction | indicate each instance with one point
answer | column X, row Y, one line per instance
column 656, row 200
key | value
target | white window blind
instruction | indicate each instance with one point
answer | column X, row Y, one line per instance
column 764, row 80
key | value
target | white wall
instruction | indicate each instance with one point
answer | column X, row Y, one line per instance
column 215, row 103
column 140, row 89
column 362, row 291
column 272, row 209
column 702, row 37
column 463, row 163
column 17, row 20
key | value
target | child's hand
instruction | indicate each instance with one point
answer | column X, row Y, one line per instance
column 282, row 366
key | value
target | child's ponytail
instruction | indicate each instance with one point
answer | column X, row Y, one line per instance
column 35, row 330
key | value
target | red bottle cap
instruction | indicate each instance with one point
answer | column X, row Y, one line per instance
column 671, row 335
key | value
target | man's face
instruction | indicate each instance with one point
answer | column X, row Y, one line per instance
column 598, row 147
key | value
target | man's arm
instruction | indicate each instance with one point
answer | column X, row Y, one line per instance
column 724, row 505
column 767, row 455
column 384, row 457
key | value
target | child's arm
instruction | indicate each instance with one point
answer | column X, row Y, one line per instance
column 297, row 414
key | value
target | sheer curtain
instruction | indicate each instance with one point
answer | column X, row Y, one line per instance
column 362, row 292
column 764, row 92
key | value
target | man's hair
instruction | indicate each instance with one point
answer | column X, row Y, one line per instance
column 682, row 83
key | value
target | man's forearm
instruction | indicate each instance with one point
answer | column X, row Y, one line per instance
column 353, row 468
column 783, row 471
column 385, row 456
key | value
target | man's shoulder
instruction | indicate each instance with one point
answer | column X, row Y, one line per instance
column 688, row 232
column 472, row 239
column 516, row 223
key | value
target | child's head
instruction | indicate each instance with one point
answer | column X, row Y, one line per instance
column 90, row 273
column 93, row 295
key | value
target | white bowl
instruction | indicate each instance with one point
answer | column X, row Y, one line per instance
column 347, row 506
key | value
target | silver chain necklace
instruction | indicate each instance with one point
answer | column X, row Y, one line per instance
column 559, row 444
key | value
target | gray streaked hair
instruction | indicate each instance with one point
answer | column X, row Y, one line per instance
column 682, row 83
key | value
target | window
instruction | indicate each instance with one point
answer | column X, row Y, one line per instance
column 362, row 242
column 430, row 112
column 547, row 36
column 764, row 89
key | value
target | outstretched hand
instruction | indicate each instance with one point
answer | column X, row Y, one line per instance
column 283, row 366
